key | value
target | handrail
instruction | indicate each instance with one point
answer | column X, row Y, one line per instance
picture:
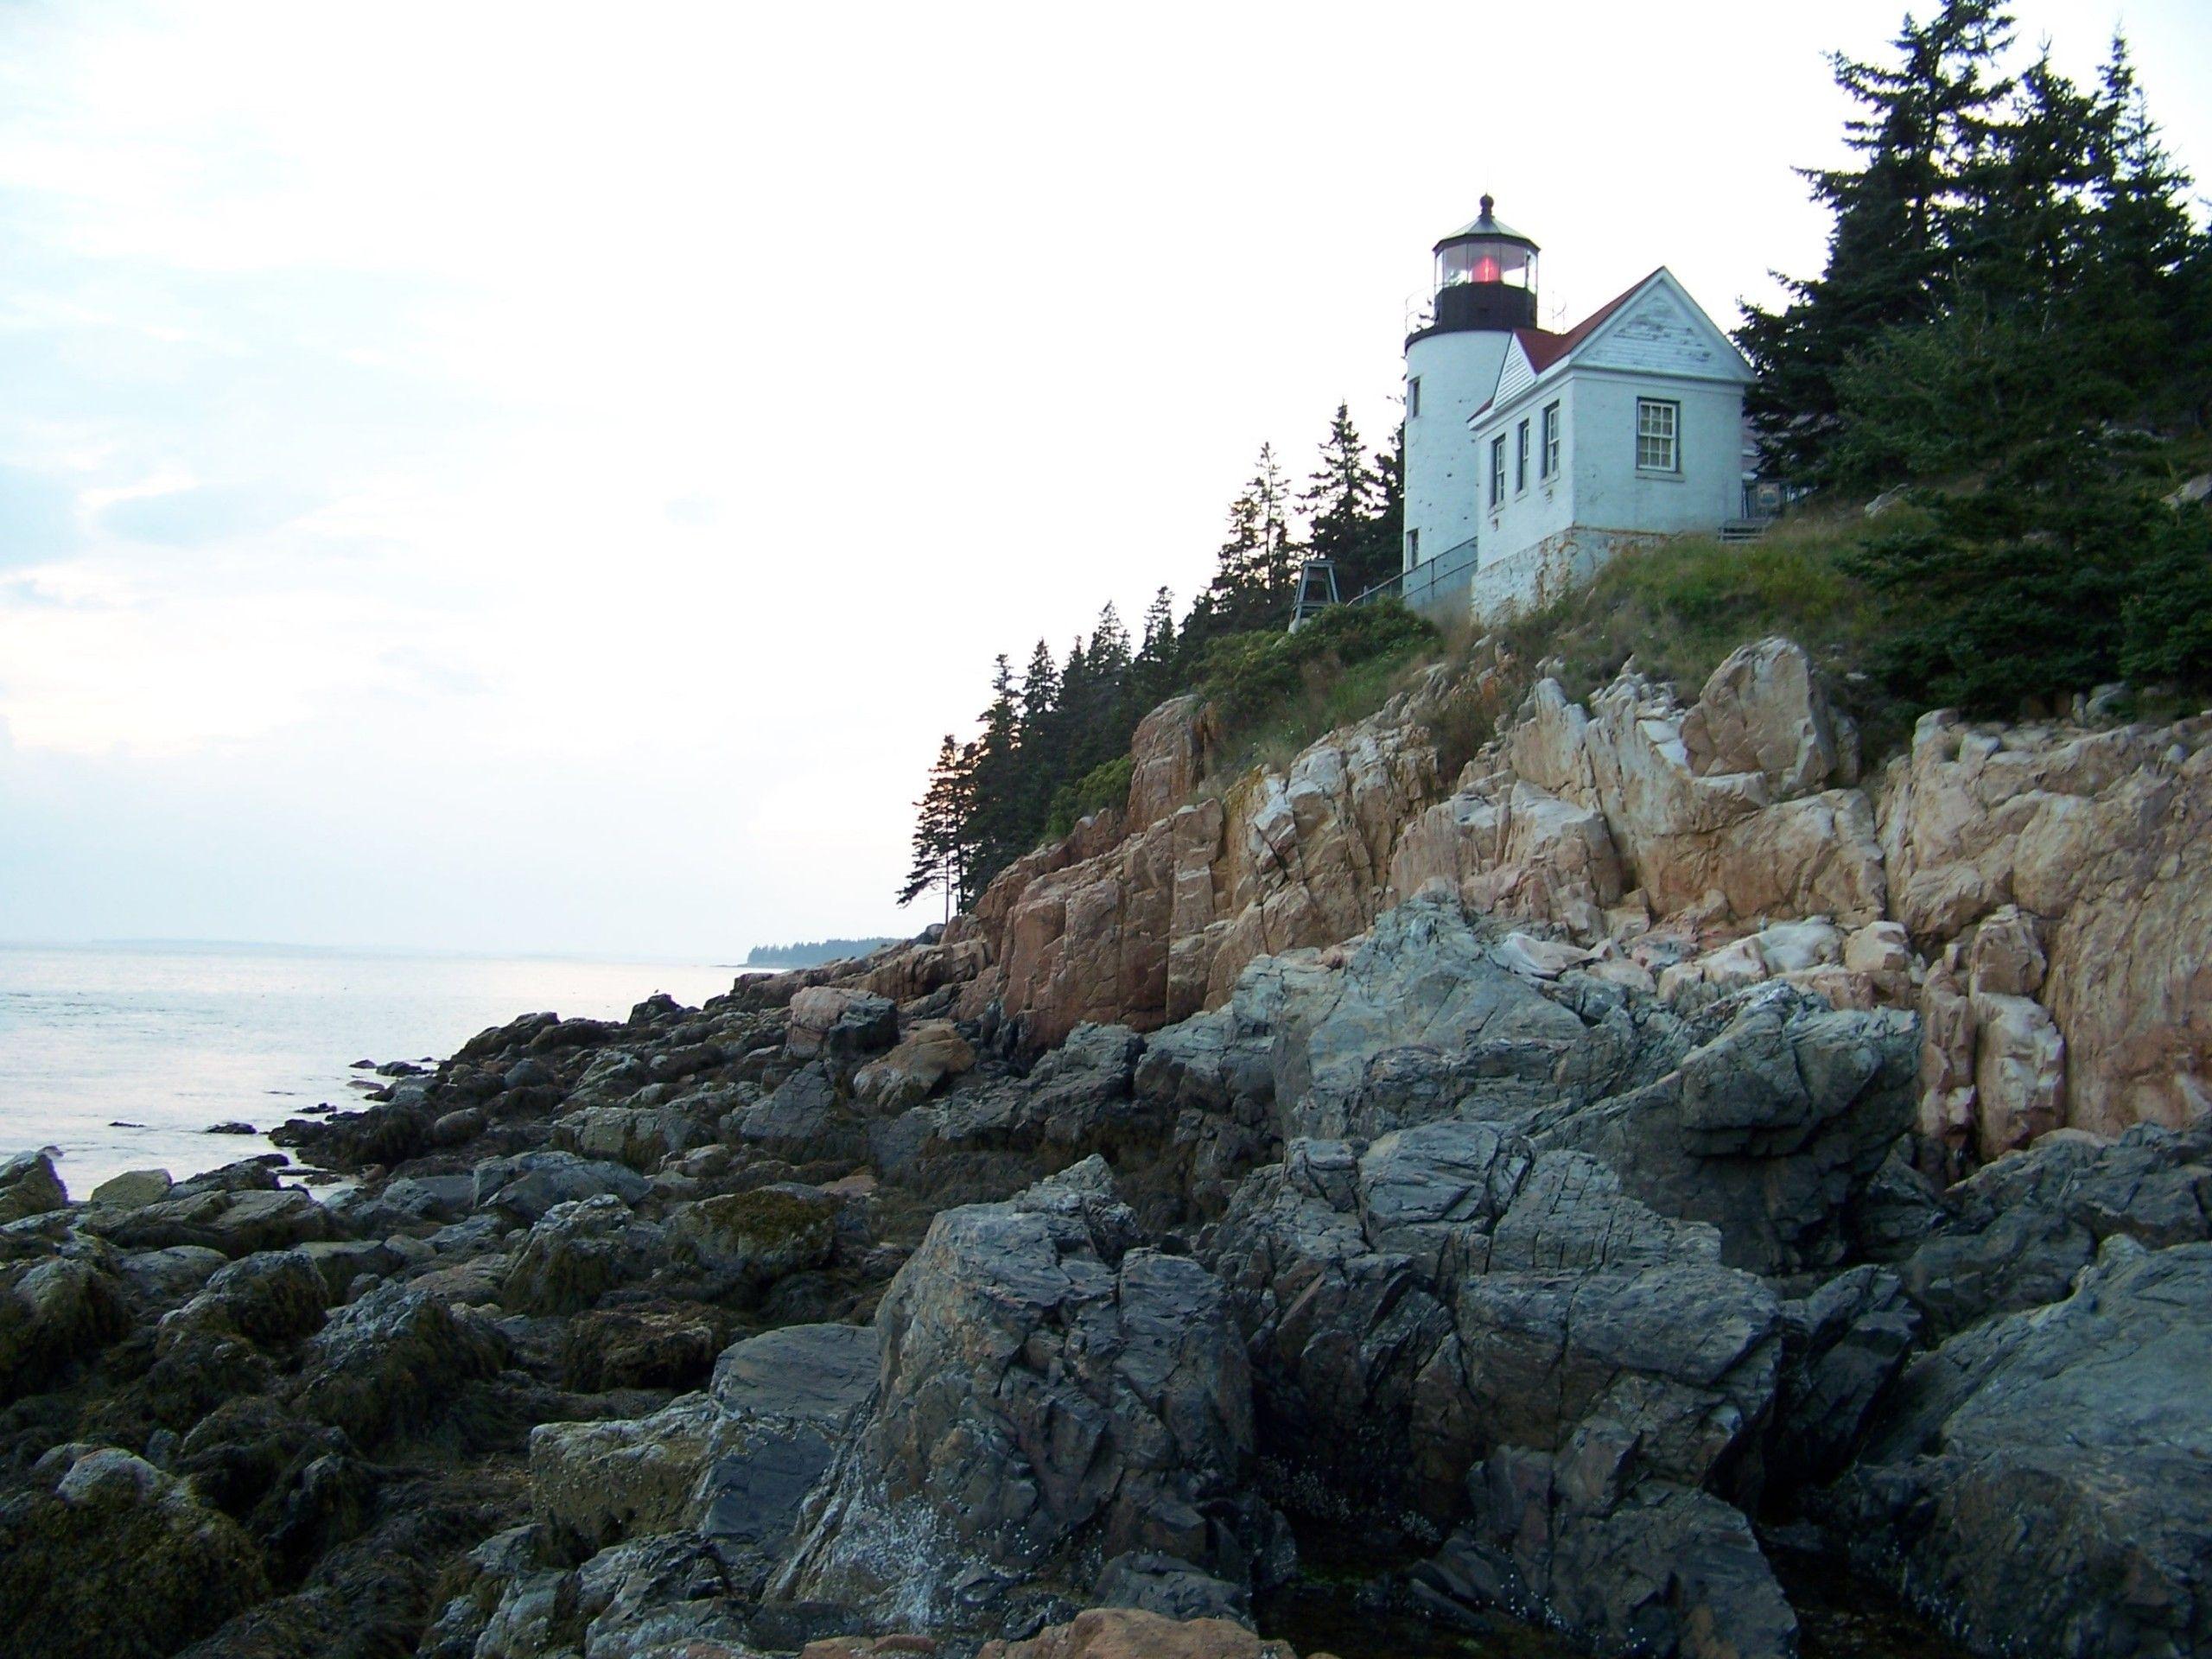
column 1432, row 581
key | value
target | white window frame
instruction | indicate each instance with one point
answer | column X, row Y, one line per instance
column 1413, row 396
column 1413, row 549
column 1547, row 461
column 1658, row 434
column 1498, row 471
column 1521, row 459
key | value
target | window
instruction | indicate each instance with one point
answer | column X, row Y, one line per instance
column 1413, row 397
column 1656, row 449
column 1549, row 465
column 1521, row 457
column 1413, row 549
column 1497, row 469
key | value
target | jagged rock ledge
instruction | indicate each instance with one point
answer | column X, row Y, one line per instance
column 1549, row 1181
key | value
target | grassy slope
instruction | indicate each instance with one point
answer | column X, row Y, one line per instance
column 1679, row 608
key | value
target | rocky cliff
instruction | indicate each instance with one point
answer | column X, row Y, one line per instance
column 2040, row 895
column 1608, row 1194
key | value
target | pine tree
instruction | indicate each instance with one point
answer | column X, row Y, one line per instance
column 2069, row 250
column 1382, row 556
column 2149, row 282
column 1100, row 735
column 1928, row 123
column 1041, row 693
column 1153, row 675
column 1342, row 499
column 1277, row 565
column 941, row 849
column 1256, row 569
column 995, row 830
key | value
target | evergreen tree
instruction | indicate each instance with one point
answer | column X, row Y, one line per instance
column 1342, row 499
column 1255, row 569
column 1109, row 645
column 1383, row 556
column 1097, row 732
column 941, row 818
column 1927, row 124
column 995, row 830
column 1034, row 737
column 1277, row 567
column 1154, row 674
column 2069, row 256
column 2149, row 282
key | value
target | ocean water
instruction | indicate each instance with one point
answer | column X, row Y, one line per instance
column 122, row 1056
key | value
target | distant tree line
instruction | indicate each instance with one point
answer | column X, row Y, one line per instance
column 1054, row 738
column 2016, row 320
column 810, row 953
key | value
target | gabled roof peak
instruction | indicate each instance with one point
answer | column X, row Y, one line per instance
column 1544, row 349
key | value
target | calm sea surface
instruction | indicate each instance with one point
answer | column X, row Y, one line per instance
column 122, row 1055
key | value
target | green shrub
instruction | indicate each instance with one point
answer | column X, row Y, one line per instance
column 1274, row 693
column 1103, row 785
column 1256, row 679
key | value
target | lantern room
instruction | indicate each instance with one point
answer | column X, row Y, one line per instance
column 1485, row 277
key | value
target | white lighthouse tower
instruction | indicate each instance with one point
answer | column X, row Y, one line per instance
column 1485, row 288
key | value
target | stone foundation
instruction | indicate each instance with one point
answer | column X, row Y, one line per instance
column 1547, row 572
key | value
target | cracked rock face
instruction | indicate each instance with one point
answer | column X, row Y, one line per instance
column 2076, row 868
column 1049, row 1397
column 2040, row 1478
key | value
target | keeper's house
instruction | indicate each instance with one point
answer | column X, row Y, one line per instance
column 1532, row 457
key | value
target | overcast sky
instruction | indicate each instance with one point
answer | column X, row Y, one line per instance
column 542, row 478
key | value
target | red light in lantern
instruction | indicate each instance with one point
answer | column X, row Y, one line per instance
column 1486, row 270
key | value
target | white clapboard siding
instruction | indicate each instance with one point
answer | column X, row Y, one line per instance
column 1658, row 333
column 1513, row 373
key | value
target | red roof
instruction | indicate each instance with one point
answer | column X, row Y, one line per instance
column 1544, row 348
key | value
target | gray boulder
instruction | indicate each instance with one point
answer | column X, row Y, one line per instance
column 1769, row 1115
column 752, row 1239
column 56, row 1313
column 270, row 1298
column 1771, row 1128
column 409, row 1204
column 787, row 1400
column 804, row 1119
column 529, row 1185
column 577, row 1252
column 638, row 1137
column 1844, row 1347
column 393, row 1361
column 1659, row 1568
column 2043, row 1480
column 107, row 1557
column 2014, row 1235
column 1171, row 1588
column 1454, row 1325
column 133, row 1189
column 237, row 1220
column 153, row 1280
column 1045, row 1390
column 594, row 1483
column 28, row 1186
column 727, row 1469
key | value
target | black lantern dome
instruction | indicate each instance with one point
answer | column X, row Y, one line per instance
column 1485, row 277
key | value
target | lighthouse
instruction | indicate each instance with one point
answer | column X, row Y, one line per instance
column 1484, row 289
